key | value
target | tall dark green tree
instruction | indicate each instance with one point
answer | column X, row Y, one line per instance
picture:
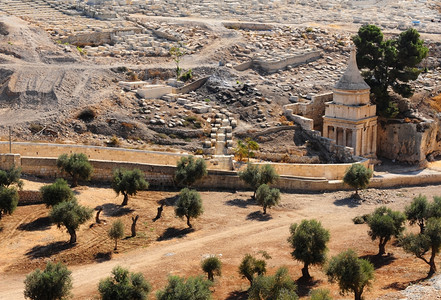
column 128, row 182
column 309, row 241
column 389, row 63
column 385, row 223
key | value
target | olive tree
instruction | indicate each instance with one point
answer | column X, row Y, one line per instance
column 352, row 273
column 53, row 283
column 358, row 177
column 116, row 232
column 189, row 205
column 70, row 215
column 193, row 288
column 383, row 224
column 8, row 200
column 212, row 266
column 250, row 266
column 277, row 287
column 57, row 192
column 255, row 176
column 128, row 182
column 124, row 285
column 11, row 176
column 420, row 244
column 267, row 197
column 309, row 241
column 76, row 165
column 189, row 170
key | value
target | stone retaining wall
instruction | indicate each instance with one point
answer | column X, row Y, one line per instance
column 161, row 176
column 272, row 66
column 29, row 198
column 92, row 152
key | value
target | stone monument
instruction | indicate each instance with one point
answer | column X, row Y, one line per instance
column 350, row 119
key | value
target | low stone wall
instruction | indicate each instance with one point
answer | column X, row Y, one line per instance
column 314, row 109
column 247, row 26
column 313, row 171
column 9, row 160
column 92, row 152
column 29, row 198
column 271, row 66
column 294, row 60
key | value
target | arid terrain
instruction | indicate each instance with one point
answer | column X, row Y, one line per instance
column 231, row 226
column 59, row 60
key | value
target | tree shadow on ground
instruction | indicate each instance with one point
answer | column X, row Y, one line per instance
column 348, row 201
column 48, row 250
column 173, row 232
column 114, row 210
column 399, row 286
column 169, row 201
column 241, row 202
column 259, row 216
column 103, row 256
column 237, row 295
column 380, row 261
column 39, row 224
column 304, row 286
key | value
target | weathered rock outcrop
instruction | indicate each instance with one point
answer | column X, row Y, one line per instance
column 412, row 143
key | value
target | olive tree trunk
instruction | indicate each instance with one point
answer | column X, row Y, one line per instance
column 188, row 222
column 134, row 220
column 97, row 217
column 305, row 271
column 125, row 200
column 73, row 235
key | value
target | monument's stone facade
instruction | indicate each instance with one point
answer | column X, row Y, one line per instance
column 350, row 120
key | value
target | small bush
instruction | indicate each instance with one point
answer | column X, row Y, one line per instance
column 87, row 114
column 34, row 127
column 187, row 75
column 360, row 219
column 128, row 126
column 54, row 282
column 114, row 141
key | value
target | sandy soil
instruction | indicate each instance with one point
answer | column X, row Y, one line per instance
column 231, row 226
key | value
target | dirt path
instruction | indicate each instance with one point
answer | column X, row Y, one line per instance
column 231, row 226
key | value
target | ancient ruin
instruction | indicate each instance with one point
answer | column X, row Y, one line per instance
column 350, row 119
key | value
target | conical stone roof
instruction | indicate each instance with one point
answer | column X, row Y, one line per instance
column 351, row 79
